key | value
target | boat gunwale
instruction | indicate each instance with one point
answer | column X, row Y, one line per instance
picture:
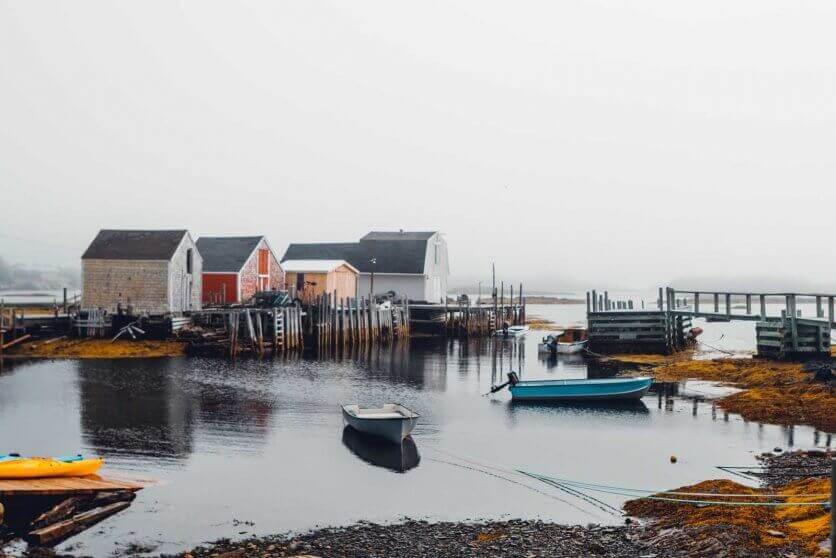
column 413, row 416
column 545, row 382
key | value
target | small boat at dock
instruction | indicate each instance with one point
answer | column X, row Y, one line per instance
column 569, row 341
column 605, row 389
column 512, row 331
column 392, row 422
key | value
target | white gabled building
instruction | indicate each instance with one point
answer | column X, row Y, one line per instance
column 411, row 264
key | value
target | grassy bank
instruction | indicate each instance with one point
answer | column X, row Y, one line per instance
column 775, row 392
column 98, row 348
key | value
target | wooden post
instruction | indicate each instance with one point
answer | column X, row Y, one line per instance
column 502, row 302
column 661, row 300
column 696, row 302
column 791, row 309
column 830, row 316
column 716, row 303
column 728, row 304
column 513, row 316
column 607, row 301
column 763, row 306
column 819, row 309
column 259, row 332
column 748, row 304
column 594, row 300
column 832, row 502
column 587, row 302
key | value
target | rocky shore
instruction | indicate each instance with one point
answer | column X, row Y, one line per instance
column 413, row 539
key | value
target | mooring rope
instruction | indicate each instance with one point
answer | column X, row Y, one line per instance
column 574, row 488
column 631, row 493
column 512, row 481
column 653, row 491
column 589, row 499
column 600, row 504
column 730, row 353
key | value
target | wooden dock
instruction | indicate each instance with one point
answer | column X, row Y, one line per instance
column 235, row 330
column 464, row 318
column 621, row 326
column 47, row 511
column 67, row 486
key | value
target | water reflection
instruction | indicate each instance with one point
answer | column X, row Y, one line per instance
column 152, row 407
column 186, row 420
column 613, row 407
column 136, row 407
column 398, row 458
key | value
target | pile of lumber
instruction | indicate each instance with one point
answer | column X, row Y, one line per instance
column 204, row 340
column 47, row 519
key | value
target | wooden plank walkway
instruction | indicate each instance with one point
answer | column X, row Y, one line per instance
column 66, row 486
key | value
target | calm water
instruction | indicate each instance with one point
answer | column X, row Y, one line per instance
column 262, row 442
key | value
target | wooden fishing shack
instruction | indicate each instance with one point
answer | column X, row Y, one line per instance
column 309, row 279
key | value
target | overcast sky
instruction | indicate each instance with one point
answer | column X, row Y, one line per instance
column 573, row 142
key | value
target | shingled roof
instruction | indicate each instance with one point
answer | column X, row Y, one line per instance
column 393, row 252
column 226, row 253
column 112, row 244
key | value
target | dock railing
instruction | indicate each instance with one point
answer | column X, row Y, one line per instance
column 779, row 334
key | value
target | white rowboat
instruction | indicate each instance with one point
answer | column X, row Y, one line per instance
column 513, row 331
column 392, row 421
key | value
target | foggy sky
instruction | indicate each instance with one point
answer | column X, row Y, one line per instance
column 574, row 143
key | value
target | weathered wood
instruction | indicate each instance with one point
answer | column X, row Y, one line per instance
column 58, row 512
column 76, row 524
column 66, row 486
column 14, row 342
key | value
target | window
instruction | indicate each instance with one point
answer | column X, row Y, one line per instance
column 300, row 282
column 263, row 261
column 189, row 261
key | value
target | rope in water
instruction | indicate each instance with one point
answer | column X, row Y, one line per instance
column 591, row 485
column 547, row 480
column 574, row 488
column 600, row 504
column 716, row 348
column 512, row 481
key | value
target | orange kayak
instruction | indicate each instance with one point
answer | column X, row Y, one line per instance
column 44, row 467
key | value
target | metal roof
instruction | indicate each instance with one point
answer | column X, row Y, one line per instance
column 392, row 252
column 314, row 266
column 398, row 235
column 111, row 244
column 226, row 253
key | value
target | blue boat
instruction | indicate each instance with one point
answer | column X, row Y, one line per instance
column 605, row 389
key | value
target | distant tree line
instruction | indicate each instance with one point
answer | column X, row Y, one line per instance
column 14, row 276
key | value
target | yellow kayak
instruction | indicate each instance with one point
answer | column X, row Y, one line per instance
column 43, row 467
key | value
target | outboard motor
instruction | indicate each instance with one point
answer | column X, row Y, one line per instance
column 512, row 381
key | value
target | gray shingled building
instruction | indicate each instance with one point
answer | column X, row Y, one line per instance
column 155, row 272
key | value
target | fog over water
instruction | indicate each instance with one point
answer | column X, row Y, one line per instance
column 621, row 143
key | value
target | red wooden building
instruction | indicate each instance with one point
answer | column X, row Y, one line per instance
column 236, row 267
